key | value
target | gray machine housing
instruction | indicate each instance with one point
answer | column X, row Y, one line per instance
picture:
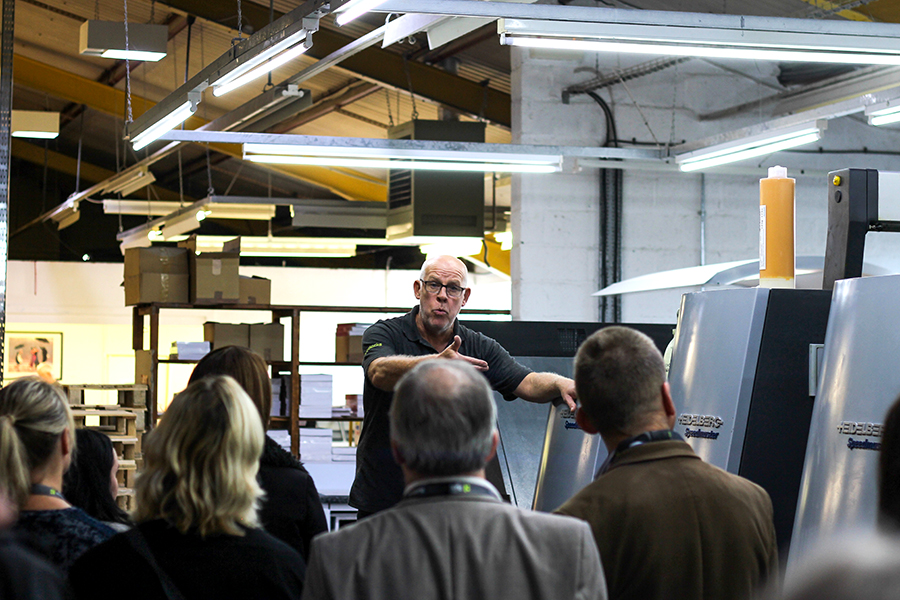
column 741, row 387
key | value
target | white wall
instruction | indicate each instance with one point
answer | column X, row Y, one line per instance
column 661, row 222
column 86, row 303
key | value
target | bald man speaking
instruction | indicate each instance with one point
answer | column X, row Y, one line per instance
column 430, row 331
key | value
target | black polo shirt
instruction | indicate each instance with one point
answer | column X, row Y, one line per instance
column 379, row 480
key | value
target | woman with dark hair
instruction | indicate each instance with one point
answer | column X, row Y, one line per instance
column 37, row 441
column 91, row 484
column 197, row 533
column 889, row 470
column 291, row 510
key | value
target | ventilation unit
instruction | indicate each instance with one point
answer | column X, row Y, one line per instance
column 436, row 203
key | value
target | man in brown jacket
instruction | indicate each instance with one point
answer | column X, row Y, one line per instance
column 668, row 525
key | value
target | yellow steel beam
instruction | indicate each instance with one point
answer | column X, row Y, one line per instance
column 66, row 164
column 496, row 258
column 81, row 90
column 850, row 15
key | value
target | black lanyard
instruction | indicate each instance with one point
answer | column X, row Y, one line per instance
column 455, row 488
column 39, row 489
column 647, row 437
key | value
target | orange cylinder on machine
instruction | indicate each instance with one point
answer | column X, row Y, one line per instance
column 776, row 229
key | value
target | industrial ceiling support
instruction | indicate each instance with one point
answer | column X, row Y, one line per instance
column 61, row 163
column 383, row 67
column 74, row 88
column 7, row 36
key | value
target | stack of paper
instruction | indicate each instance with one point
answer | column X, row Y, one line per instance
column 343, row 454
column 315, row 445
column 315, row 396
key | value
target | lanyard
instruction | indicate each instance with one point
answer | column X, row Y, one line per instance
column 39, row 489
column 638, row 440
column 449, row 489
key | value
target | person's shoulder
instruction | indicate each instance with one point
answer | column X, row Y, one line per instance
column 596, row 498
column 262, row 539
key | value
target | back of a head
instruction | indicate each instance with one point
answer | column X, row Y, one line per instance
column 889, row 470
column 442, row 418
column 619, row 373
column 200, row 462
column 33, row 414
column 246, row 367
column 87, row 483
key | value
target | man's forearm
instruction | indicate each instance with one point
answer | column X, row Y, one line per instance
column 543, row 387
column 385, row 372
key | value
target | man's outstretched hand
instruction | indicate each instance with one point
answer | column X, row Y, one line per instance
column 452, row 353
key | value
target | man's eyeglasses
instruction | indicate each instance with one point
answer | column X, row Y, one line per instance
column 434, row 287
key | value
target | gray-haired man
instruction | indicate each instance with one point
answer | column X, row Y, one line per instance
column 451, row 536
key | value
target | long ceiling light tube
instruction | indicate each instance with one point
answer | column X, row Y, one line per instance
column 418, row 164
column 751, row 147
column 884, row 113
column 398, row 153
column 353, row 9
column 268, row 60
column 695, row 39
column 176, row 117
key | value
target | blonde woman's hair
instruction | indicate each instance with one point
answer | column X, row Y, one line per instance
column 33, row 414
column 200, row 463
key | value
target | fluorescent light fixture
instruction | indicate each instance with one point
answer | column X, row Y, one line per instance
column 752, row 146
column 355, row 8
column 699, row 41
column 167, row 123
column 884, row 113
column 269, row 59
column 39, row 124
column 146, row 42
column 382, row 158
column 425, row 165
column 453, row 246
column 281, row 246
column 130, row 181
column 213, row 210
column 180, row 225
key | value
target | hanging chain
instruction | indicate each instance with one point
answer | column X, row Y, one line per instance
column 128, row 115
column 387, row 97
column 210, row 191
column 97, row 10
column 152, row 11
column 180, row 179
column 240, row 20
column 415, row 113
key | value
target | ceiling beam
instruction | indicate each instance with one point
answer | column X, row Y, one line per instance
column 66, row 164
column 81, row 90
column 377, row 65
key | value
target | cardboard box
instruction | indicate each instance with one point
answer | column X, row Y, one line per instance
column 220, row 335
column 155, row 260
column 156, row 287
column 255, row 290
column 214, row 275
column 267, row 340
column 156, row 275
column 348, row 342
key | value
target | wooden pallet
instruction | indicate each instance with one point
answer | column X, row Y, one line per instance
column 129, row 395
column 112, row 419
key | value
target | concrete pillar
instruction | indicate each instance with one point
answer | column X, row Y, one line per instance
column 555, row 218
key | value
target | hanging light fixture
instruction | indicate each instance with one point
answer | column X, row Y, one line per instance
column 39, row 124
column 106, row 39
column 352, row 9
column 751, row 146
column 884, row 113
column 168, row 121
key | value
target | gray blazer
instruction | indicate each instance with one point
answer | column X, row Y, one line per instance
column 457, row 548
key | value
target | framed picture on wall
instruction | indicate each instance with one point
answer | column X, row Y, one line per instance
column 28, row 353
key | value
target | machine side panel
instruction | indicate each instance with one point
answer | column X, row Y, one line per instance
column 712, row 370
column 781, row 407
column 858, row 383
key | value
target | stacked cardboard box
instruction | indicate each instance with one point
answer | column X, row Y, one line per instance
column 315, row 396
column 348, row 342
column 156, row 275
column 214, row 275
column 255, row 290
column 267, row 340
column 315, row 445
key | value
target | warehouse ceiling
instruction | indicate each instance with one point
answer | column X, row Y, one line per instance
column 362, row 97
